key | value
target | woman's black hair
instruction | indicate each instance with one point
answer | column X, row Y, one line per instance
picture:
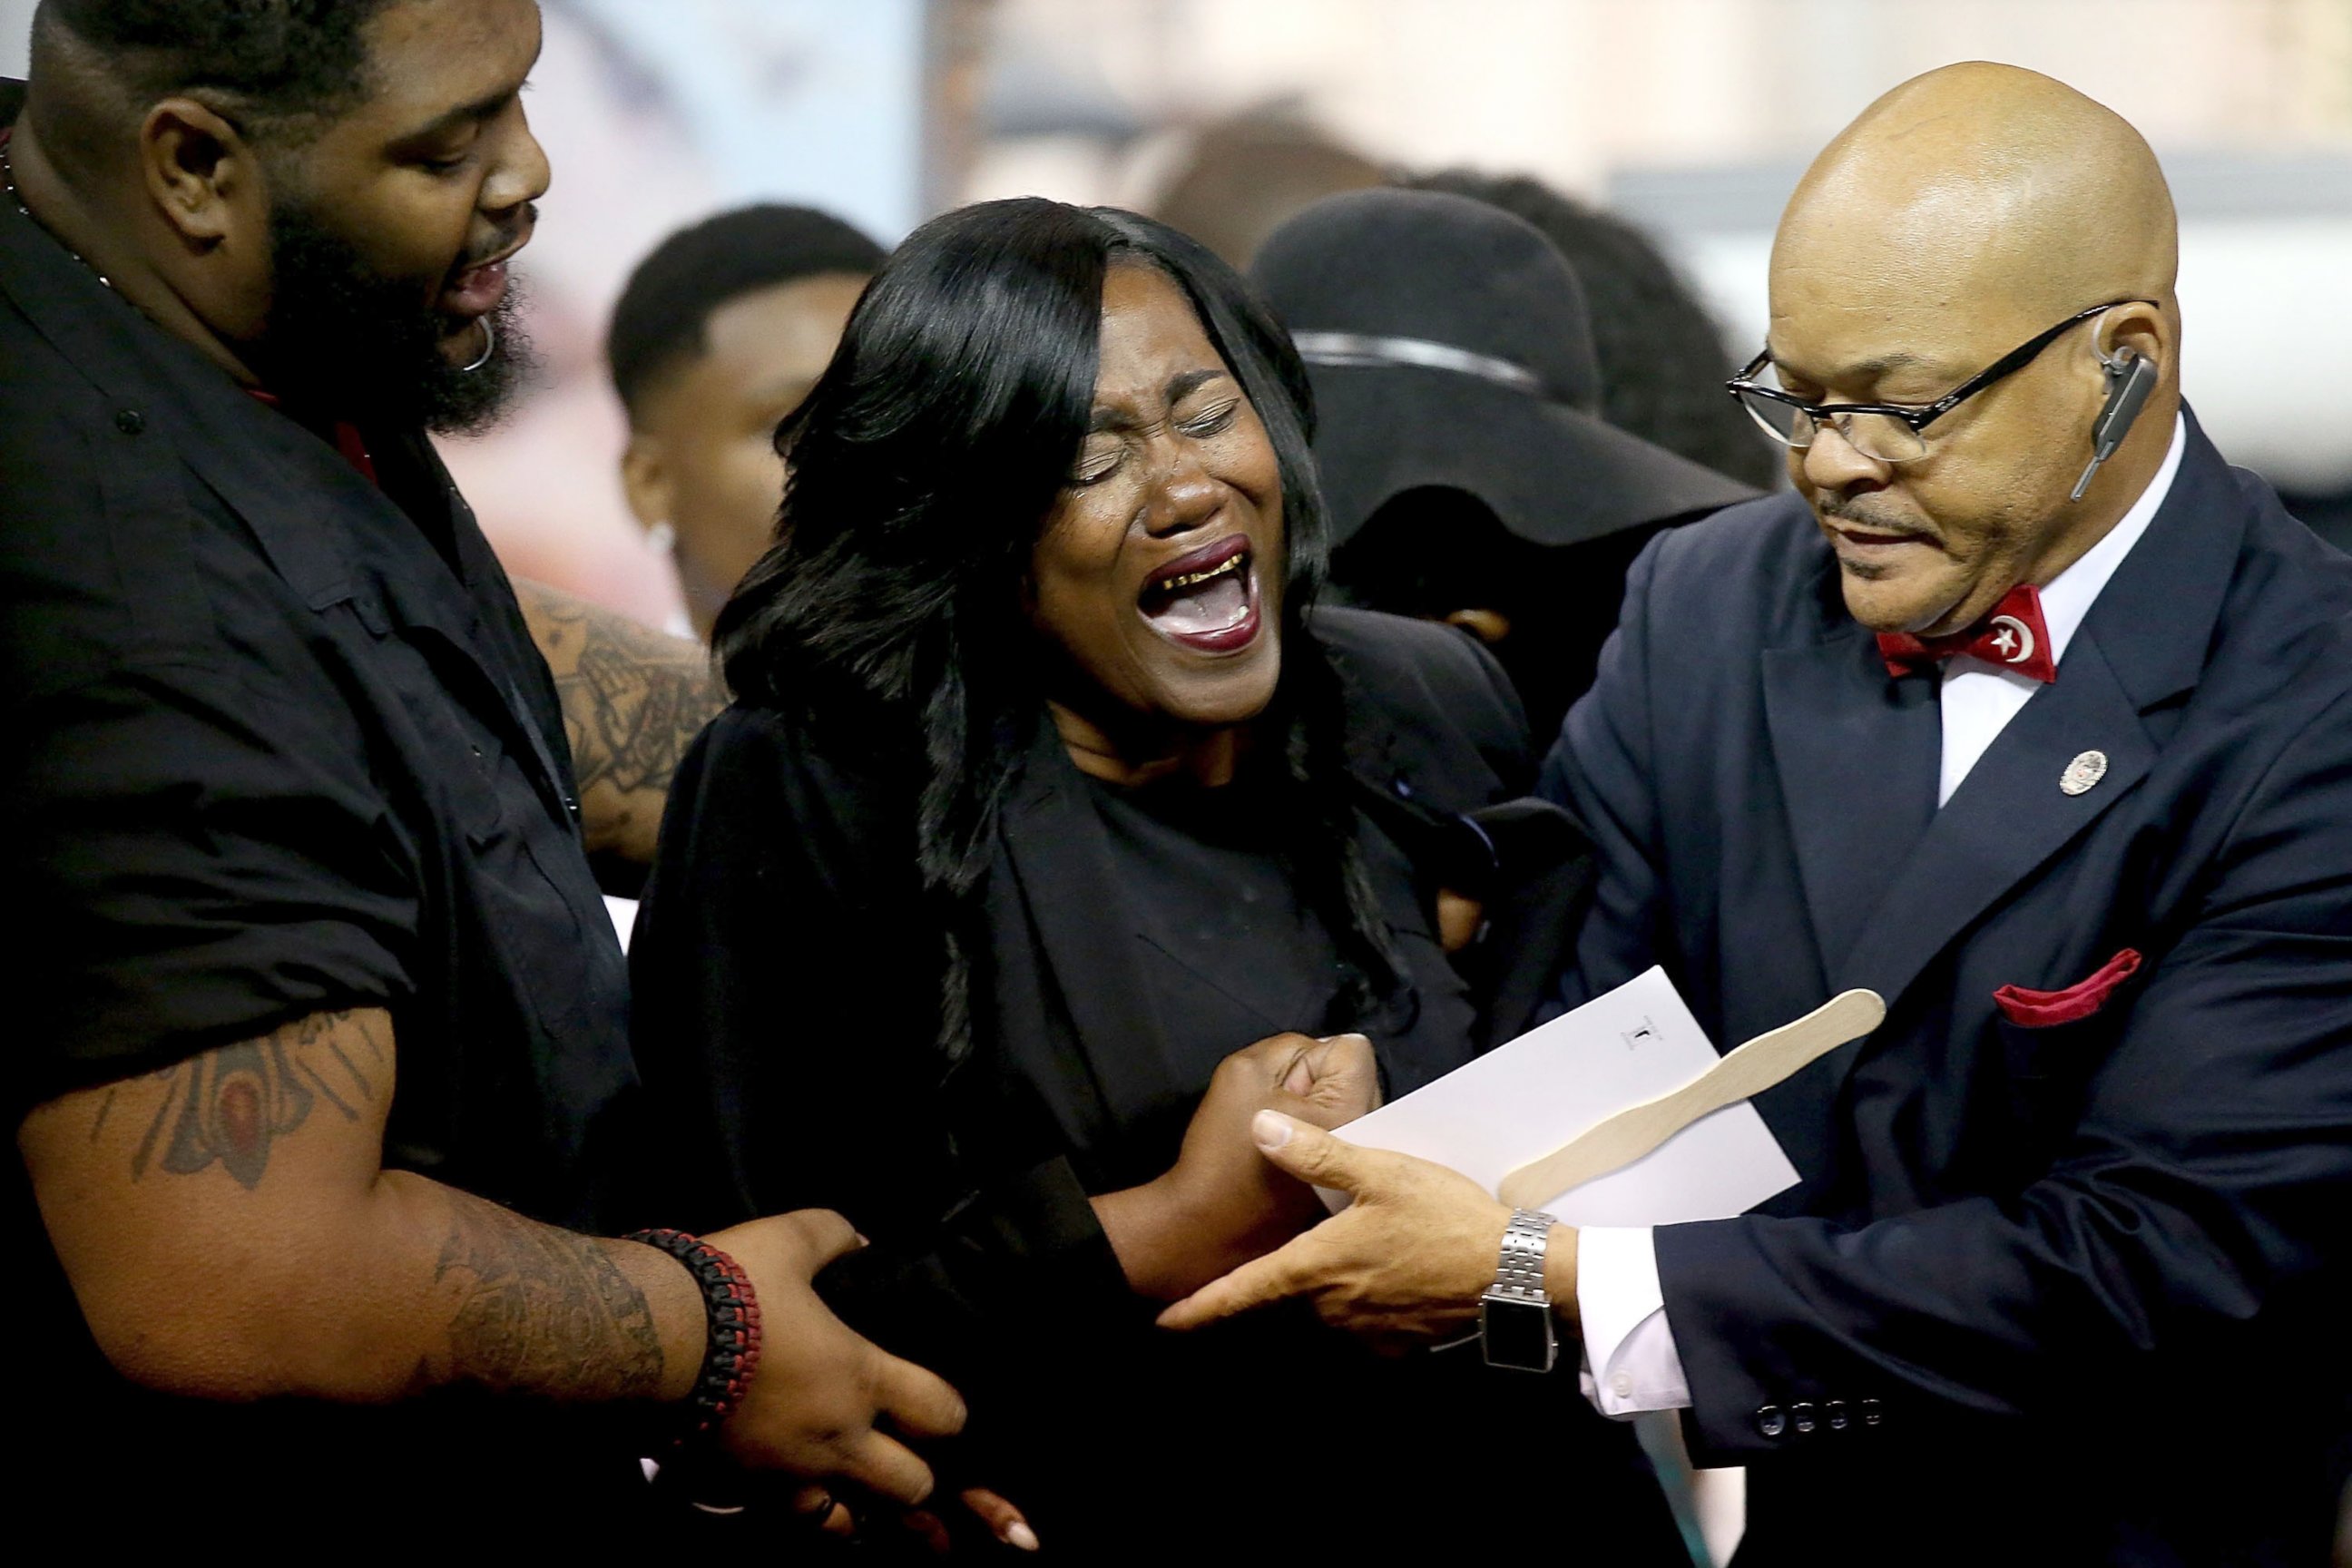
column 924, row 465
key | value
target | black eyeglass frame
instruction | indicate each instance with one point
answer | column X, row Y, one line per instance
column 1918, row 417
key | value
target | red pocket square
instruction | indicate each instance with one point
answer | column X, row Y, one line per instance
column 2039, row 1009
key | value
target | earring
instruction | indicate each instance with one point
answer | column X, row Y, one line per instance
column 661, row 538
column 489, row 347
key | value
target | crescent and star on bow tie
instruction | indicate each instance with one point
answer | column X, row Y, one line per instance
column 2012, row 637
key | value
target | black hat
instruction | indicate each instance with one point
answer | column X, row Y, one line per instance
column 1448, row 345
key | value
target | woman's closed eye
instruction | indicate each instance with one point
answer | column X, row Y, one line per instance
column 1097, row 464
column 1215, row 421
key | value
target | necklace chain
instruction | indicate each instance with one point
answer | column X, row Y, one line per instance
column 8, row 177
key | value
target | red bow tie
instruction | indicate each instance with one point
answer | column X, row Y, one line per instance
column 2012, row 637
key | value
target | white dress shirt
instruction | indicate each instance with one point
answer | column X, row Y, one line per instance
column 1630, row 1362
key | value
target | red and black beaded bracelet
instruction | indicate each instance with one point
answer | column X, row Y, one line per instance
column 733, row 1354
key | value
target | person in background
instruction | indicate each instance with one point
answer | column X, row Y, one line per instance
column 1661, row 355
column 289, row 787
column 719, row 333
column 2027, row 711
column 1469, row 479
column 1044, row 796
column 1244, row 175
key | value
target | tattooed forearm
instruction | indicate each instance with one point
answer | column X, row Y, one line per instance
column 226, row 1106
column 542, row 1310
column 230, row 1232
column 632, row 699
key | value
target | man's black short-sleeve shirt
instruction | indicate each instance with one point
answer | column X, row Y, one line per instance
column 277, row 745
column 281, row 751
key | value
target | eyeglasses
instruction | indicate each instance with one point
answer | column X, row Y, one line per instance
column 1883, row 432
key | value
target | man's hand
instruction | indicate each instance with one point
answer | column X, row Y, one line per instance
column 1221, row 1203
column 822, row 1396
column 820, row 1403
column 1403, row 1266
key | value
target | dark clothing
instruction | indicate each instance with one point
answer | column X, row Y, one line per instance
column 788, row 972
column 2094, row 1271
column 1231, row 951
column 279, row 746
column 1561, row 600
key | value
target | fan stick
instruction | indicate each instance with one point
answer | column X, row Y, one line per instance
column 1624, row 1136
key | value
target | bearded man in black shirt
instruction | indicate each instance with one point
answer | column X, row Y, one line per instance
column 293, row 815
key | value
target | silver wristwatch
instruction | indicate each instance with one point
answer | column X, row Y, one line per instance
column 1515, row 1314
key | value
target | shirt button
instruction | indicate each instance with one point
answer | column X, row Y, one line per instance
column 1622, row 1385
column 1836, row 1417
column 1403, row 787
column 1873, row 1413
column 129, row 421
column 1771, row 1421
column 1800, row 1416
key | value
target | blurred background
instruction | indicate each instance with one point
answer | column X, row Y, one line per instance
column 1690, row 117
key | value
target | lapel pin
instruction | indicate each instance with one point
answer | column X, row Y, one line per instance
column 2086, row 770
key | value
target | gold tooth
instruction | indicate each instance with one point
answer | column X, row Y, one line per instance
column 1172, row 583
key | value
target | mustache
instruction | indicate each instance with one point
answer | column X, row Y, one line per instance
column 1854, row 509
column 516, row 229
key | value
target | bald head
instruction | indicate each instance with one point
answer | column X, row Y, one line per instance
column 1986, row 189
column 1969, row 214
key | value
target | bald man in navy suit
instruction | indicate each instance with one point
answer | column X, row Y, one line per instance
column 2056, row 756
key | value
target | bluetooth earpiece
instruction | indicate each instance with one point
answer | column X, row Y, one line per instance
column 2131, row 376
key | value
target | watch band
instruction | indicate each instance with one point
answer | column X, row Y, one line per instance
column 1515, row 1327
column 1519, row 1277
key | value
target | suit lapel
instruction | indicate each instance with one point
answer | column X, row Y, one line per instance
column 2142, row 645
column 1856, row 753
column 2008, row 817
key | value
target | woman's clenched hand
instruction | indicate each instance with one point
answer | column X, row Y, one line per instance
column 1220, row 1203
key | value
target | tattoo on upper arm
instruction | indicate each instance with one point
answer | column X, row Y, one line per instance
column 638, row 717
column 228, row 1105
column 544, row 1310
column 634, row 700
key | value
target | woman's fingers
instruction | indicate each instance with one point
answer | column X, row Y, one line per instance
column 1003, row 1521
column 1338, row 1053
column 1300, row 1080
column 1347, row 1079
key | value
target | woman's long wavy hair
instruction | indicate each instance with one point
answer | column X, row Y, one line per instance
column 924, row 465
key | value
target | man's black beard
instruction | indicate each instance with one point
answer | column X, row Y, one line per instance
column 359, row 347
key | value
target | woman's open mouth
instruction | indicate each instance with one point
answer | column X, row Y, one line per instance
column 1205, row 600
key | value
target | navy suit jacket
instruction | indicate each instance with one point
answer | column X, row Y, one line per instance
column 2091, row 1273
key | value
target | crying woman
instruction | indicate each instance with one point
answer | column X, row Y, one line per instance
column 1050, row 837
